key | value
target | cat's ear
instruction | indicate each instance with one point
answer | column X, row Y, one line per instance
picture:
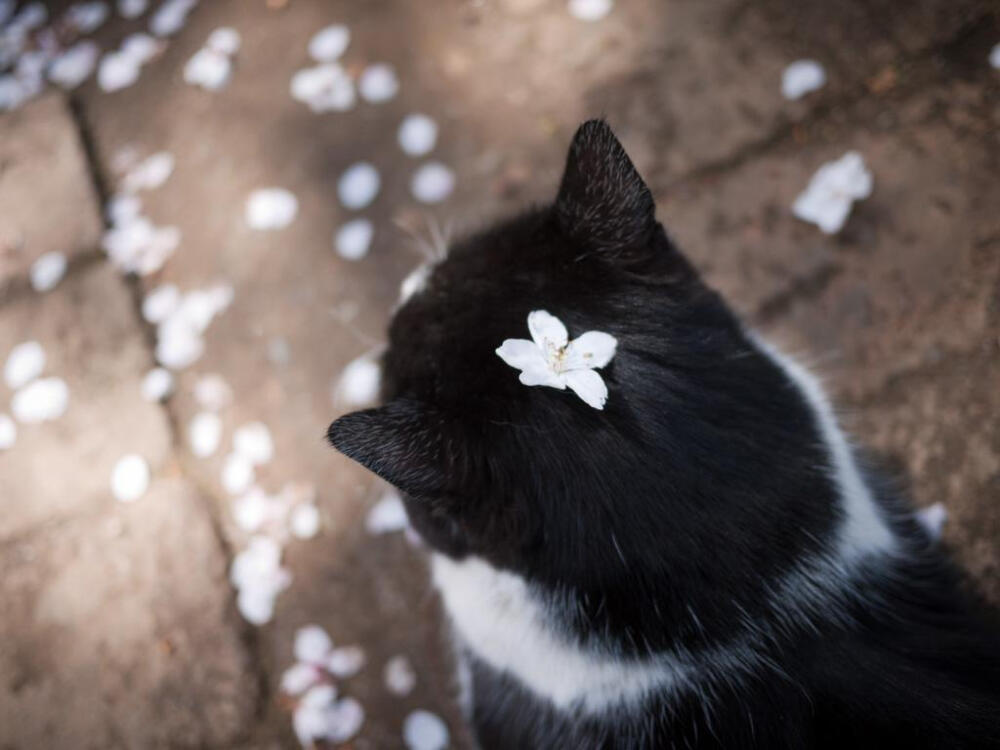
column 403, row 442
column 603, row 202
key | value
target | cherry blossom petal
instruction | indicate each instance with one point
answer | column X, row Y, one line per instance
column 312, row 644
column 539, row 376
column 423, row 730
column 590, row 10
column 399, row 676
column 40, row 401
column 343, row 720
column 522, row 354
column 827, row 200
column 8, row 432
column 130, row 478
column 329, row 43
column 547, row 330
column 299, row 678
column 387, row 515
column 346, row 661
column 802, row 77
column 589, row 386
column 24, row 363
column 590, row 350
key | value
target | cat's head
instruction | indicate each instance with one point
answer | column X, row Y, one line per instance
column 535, row 479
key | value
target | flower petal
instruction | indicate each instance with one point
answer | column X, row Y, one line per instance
column 589, row 386
column 542, row 376
column 547, row 330
column 591, row 349
column 521, row 353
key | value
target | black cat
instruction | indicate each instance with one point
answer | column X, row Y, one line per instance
column 679, row 549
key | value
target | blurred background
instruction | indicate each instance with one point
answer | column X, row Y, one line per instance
column 196, row 273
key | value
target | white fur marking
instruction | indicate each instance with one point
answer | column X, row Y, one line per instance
column 504, row 625
column 864, row 530
column 415, row 283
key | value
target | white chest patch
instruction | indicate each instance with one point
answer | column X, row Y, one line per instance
column 497, row 617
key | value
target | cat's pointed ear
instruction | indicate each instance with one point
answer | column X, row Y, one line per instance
column 603, row 202
column 402, row 442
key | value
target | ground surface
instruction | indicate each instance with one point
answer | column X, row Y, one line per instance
column 119, row 628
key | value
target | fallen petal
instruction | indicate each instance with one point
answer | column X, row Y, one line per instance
column 423, row 730
column 157, row 384
column 399, row 676
column 346, row 661
column 378, row 83
column 204, row 434
column 130, row 478
column 271, row 208
column 330, row 43
column 24, row 363
column 299, row 678
column 354, row 238
column 40, row 401
column 387, row 515
column 358, row 186
column 802, row 77
column 312, row 644
column 417, row 135
column 432, row 182
column 8, row 432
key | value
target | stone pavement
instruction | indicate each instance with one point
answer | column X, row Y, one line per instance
column 119, row 627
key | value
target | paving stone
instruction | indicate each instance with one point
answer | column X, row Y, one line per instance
column 918, row 270
column 939, row 427
column 119, row 631
column 47, row 200
column 88, row 329
column 911, row 277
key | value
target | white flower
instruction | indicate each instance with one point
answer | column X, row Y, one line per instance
column 831, row 192
column 551, row 359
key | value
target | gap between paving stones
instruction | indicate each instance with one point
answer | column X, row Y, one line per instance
column 210, row 501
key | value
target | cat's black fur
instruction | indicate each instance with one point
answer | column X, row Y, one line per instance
column 664, row 522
